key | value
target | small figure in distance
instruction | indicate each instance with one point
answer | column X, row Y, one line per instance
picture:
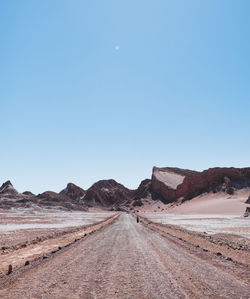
column 137, row 219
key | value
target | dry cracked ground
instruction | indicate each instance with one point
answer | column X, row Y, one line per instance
column 128, row 260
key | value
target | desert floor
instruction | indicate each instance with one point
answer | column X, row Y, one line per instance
column 125, row 259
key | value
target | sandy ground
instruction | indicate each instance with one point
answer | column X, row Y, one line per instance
column 218, row 203
column 228, row 245
column 26, row 225
column 169, row 178
column 218, row 213
column 18, row 256
column 205, row 204
column 129, row 260
column 210, row 224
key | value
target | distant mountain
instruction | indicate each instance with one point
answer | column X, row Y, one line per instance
column 168, row 184
column 73, row 191
column 7, row 189
column 53, row 199
column 108, row 193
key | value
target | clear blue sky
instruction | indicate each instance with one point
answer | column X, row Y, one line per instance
column 107, row 89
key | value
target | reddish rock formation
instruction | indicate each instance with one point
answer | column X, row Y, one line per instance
column 137, row 203
column 144, row 190
column 169, row 184
column 51, row 196
column 108, row 193
column 28, row 193
column 8, row 189
column 165, row 182
column 50, row 199
column 73, row 192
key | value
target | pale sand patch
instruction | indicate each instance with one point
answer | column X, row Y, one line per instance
column 218, row 203
column 169, row 178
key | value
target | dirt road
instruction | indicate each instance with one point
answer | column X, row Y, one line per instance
column 127, row 260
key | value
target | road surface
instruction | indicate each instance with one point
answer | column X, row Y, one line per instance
column 127, row 260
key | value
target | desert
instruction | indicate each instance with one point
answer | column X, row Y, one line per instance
column 124, row 149
column 113, row 242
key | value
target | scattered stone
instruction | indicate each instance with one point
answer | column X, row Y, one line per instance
column 10, row 270
column 26, row 263
column 205, row 250
column 218, row 253
column 228, row 259
column 137, row 203
column 230, row 190
column 247, row 212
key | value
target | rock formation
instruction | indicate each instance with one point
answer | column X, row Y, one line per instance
column 169, row 184
column 74, row 192
column 70, row 198
column 7, row 189
column 108, row 193
column 247, row 212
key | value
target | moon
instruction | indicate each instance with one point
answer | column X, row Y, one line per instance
column 117, row 47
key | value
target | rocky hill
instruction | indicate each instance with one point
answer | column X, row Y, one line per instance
column 65, row 199
column 108, row 193
column 7, row 190
column 167, row 184
column 74, row 192
column 69, row 198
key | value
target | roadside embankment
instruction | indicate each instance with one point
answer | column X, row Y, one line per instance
column 15, row 257
column 229, row 247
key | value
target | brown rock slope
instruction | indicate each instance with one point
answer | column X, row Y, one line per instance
column 7, row 190
column 169, row 184
column 70, row 198
column 108, row 194
column 10, row 197
column 73, row 192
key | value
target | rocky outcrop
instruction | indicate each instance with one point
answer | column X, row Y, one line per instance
column 7, row 189
column 51, row 196
column 165, row 182
column 169, row 184
column 248, row 200
column 137, row 203
column 69, row 198
column 247, row 212
column 66, row 199
column 215, row 179
column 108, row 193
column 144, row 190
column 28, row 193
column 74, row 192
column 10, row 197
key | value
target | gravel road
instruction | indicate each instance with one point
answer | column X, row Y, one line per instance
column 127, row 260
